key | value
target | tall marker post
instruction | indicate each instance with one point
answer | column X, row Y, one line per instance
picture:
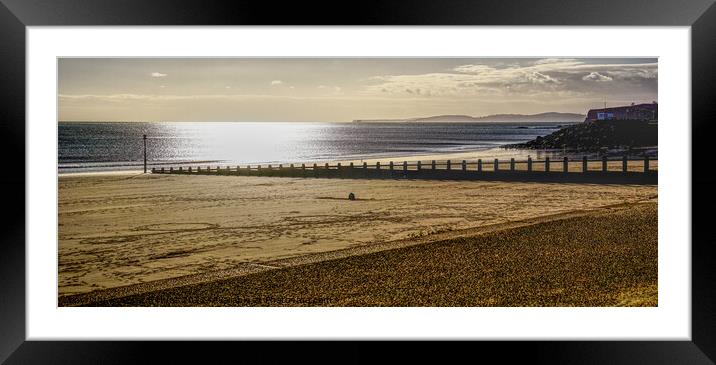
column 145, row 153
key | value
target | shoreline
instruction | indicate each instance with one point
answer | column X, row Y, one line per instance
column 102, row 173
column 373, row 159
column 487, row 155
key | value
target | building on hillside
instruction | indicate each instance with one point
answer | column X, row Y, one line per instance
column 631, row 112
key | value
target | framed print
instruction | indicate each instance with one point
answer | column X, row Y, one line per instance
column 400, row 171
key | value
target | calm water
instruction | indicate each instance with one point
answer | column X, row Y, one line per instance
column 118, row 146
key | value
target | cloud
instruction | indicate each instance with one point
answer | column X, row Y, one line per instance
column 151, row 98
column 473, row 69
column 527, row 78
column 540, row 78
column 276, row 82
column 158, row 74
column 596, row 76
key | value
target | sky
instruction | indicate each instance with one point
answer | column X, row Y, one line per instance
column 345, row 89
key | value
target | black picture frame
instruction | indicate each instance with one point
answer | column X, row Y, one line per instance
column 16, row 15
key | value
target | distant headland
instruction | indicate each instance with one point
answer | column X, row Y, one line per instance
column 541, row 117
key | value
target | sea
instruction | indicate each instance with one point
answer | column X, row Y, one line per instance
column 108, row 146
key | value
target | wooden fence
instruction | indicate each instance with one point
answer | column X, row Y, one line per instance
column 596, row 171
column 636, row 171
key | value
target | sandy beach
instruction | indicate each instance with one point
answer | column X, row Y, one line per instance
column 124, row 229
column 556, row 262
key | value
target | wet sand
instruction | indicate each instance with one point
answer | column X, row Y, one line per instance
column 607, row 257
column 125, row 229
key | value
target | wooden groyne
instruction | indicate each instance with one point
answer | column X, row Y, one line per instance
column 621, row 171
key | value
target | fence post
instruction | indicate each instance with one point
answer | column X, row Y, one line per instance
column 529, row 164
column 546, row 164
column 377, row 165
column 497, row 165
column 565, row 164
column 448, row 164
column 405, row 165
column 433, row 165
column 646, row 163
column 145, row 153
column 391, row 166
column 464, row 165
column 584, row 164
column 512, row 164
column 624, row 164
column 479, row 165
column 419, row 165
column 315, row 170
column 604, row 163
